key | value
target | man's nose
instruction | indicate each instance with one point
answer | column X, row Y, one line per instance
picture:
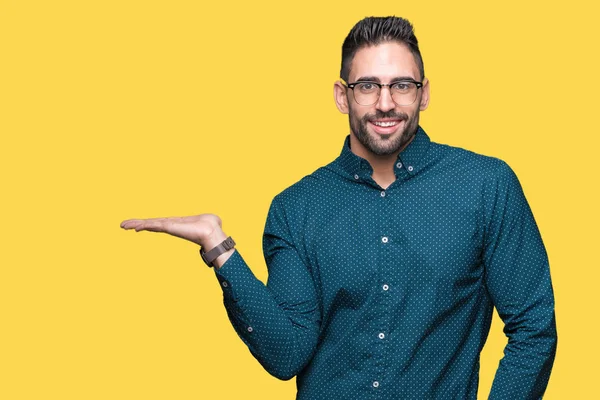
column 385, row 102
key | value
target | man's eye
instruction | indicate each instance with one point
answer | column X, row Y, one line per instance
column 367, row 87
column 402, row 86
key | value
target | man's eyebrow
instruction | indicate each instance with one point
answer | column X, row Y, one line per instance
column 376, row 79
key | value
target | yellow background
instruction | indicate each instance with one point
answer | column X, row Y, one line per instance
column 120, row 109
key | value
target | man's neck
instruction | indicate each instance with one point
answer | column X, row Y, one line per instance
column 383, row 166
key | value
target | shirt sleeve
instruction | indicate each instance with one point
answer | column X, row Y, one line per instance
column 518, row 281
column 279, row 322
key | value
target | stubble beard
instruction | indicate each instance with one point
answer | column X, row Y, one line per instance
column 381, row 145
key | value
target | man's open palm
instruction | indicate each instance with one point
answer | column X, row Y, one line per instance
column 196, row 228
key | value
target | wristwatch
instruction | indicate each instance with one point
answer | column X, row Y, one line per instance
column 212, row 254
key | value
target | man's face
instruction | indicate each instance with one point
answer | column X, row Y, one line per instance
column 385, row 63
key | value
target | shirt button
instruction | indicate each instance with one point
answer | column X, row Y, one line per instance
column 384, row 239
column 375, row 384
column 381, row 335
column 250, row 329
column 410, row 168
column 355, row 176
column 225, row 284
column 399, row 165
column 383, row 193
column 385, row 287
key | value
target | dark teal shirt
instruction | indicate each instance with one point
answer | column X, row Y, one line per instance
column 388, row 294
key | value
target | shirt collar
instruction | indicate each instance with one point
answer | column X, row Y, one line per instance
column 411, row 159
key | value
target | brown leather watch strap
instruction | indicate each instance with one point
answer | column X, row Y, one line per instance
column 212, row 254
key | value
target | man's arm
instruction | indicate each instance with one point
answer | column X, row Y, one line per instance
column 518, row 281
column 278, row 322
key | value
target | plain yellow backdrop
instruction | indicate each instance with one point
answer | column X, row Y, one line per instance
column 120, row 109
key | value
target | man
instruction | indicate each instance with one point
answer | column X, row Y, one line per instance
column 385, row 265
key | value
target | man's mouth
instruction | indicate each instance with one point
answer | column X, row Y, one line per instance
column 385, row 126
column 386, row 123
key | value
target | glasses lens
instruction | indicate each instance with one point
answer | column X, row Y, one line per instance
column 366, row 93
column 404, row 93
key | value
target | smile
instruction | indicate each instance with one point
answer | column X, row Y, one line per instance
column 386, row 126
column 385, row 123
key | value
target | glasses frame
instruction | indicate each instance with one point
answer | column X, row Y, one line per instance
column 381, row 86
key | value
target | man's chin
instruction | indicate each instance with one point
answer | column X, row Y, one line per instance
column 384, row 145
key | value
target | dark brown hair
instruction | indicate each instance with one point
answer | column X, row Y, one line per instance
column 372, row 31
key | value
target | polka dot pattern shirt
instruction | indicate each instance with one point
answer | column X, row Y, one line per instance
column 388, row 294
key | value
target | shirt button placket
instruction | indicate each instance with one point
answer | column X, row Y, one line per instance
column 385, row 316
column 384, row 307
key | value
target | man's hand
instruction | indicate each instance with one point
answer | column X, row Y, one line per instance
column 204, row 230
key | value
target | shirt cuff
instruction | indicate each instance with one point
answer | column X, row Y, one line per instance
column 235, row 277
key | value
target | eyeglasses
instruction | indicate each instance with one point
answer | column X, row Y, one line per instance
column 367, row 93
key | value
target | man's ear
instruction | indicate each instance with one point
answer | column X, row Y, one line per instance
column 424, row 95
column 339, row 94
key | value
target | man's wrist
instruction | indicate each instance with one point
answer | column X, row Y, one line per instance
column 216, row 238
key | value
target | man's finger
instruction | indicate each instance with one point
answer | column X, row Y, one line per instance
column 151, row 224
column 130, row 223
column 172, row 225
column 154, row 225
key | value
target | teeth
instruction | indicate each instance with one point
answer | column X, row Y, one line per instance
column 385, row 124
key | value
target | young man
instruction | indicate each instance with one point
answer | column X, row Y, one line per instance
column 385, row 265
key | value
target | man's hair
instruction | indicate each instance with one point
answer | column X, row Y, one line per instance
column 372, row 31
